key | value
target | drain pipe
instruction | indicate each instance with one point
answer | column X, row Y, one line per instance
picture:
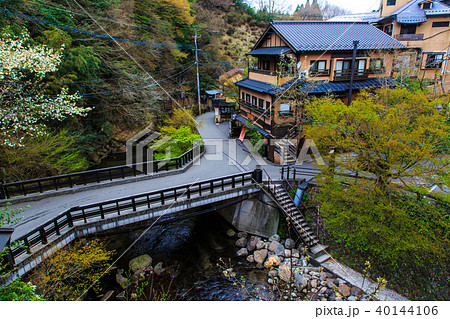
column 355, row 47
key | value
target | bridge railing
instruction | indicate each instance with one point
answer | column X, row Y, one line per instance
column 41, row 185
column 290, row 172
column 116, row 207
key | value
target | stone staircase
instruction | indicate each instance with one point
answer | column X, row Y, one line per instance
column 301, row 226
column 284, row 148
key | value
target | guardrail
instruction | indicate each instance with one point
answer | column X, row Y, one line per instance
column 289, row 172
column 40, row 185
column 67, row 219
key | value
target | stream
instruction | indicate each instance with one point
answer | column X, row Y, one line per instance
column 195, row 252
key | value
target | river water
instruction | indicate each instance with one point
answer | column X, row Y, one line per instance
column 195, row 252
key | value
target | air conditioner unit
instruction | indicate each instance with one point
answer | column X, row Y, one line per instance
column 303, row 74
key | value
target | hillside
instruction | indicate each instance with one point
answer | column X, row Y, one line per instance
column 153, row 41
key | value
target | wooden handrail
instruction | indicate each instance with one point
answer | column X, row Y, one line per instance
column 39, row 185
column 85, row 213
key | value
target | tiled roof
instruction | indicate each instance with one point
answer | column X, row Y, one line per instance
column 412, row 12
column 357, row 17
column 269, row 51
column 333, row 87
column 262, row 87
column 315, row 87
column 334, row 36
column 231, row 73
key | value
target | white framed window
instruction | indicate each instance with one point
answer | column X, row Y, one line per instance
column 285, row 107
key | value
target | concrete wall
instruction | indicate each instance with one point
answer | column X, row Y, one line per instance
column 255, row 216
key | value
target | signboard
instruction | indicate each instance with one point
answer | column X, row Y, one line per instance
column 250, row 116
column 242, row 136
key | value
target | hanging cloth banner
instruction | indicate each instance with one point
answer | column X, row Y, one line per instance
column 243, row 131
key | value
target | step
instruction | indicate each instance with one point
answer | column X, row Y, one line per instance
column 322, row 258
column 318, row 248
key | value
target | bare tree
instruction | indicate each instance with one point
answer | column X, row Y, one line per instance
column 330, row 10
column 271, row 6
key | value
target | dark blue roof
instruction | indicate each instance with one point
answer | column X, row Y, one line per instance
column 262, row 87
column 269, row 51
column 315, row 87
column 412, row 12
column 334, row 36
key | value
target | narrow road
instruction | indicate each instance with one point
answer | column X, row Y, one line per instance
column 223, row 156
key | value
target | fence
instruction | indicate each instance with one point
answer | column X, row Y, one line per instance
column 41, row 185
column 66, row 220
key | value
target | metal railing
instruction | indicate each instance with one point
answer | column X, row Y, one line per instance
column 40, row 185
column 345, row 75
column 323, row 72
column 66, row 220
column 289, row 172
column 409, row 37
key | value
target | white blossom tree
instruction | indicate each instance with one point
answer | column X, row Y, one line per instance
column 24, row 110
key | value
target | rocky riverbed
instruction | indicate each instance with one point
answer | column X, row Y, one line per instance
column 289, row 271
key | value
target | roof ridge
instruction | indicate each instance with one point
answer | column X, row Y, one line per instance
column 317, row 22
column 406, row 6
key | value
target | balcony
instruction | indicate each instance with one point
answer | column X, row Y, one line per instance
column 265, row 72
column 285, row 114
column 377, row 71
column 251, row 107
column 409, row 37
column 324, row 72
column 345, row 75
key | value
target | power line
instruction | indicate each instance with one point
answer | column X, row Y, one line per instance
column 126, row 22
column 38, row 20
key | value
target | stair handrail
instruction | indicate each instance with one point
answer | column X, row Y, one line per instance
column 270, row 181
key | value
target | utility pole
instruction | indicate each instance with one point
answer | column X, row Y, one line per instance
column 355, row 48
column 198, row 80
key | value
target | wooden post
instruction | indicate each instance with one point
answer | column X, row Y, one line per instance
column 2, row 191
column 69, row 218
column 57, row 227
column 355, row 48
column 43, row 236
column 102, row 213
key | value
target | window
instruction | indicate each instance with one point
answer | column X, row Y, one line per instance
column 261, row 103
column 243, row 96
column 390, row 2
column 426, row 5
column 265, row 65
column 343, row 67
column 376, row 65
column 284, row 108
column 254, row 100
column 440, row 24
column 434, row 61
column 408, row 29
column 267, row 105
column 247, row 98
column 388, row 29
column 318, row 67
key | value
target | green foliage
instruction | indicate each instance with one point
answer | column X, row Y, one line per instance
column 47, row 155
column 182, row 140
column 391, row 138
column 392, row 134
column 405, row 237
column 19, row 291
column 70, row 271
column 56, row 13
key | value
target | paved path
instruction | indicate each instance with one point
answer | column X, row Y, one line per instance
column 217, row 161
